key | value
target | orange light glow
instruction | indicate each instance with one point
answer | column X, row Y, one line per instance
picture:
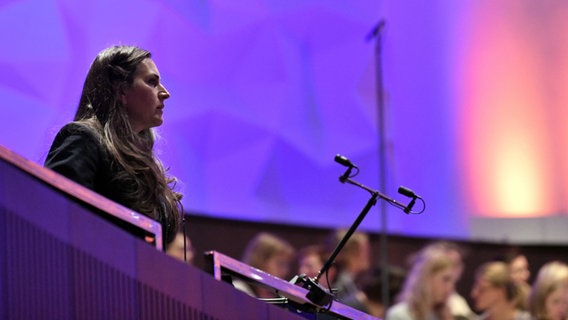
column 514, row 126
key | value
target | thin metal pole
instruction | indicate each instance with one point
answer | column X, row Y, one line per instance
column 382, row 160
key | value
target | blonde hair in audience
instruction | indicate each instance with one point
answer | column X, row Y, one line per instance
column 351, row 248
column 263, row 247
column 552, row 275
column 498, row 275
column 416, row 292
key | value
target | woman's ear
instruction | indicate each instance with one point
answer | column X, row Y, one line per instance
column 122, row 98
column 120, row 90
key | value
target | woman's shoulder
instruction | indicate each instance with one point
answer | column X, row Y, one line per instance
column 77, row 135
column 76, row 128
column 76, row 154
column 73, row 141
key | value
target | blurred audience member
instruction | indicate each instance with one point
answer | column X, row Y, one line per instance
column 354, row 259
column 549, row 294
column 456, row 302
column 518, row 266
column 370, row 299
column 270, row 254
column 310, row 261
column 427, row 288
column 176, row 248
column 496, row 294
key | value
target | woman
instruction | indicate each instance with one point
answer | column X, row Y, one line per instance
column 459, row 307
column 353, row 260
column 370, row 300
column 109, row 146
column 270, row 254
column 495, row 293
column 549, row 295
column 518, row 265
column 427, row 288
column 310, row 261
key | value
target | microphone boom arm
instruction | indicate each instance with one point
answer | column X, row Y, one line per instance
column 344, row 179
column 372, row 201
column 318, row 294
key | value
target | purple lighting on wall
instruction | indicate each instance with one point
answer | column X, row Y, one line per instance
column 264, row 94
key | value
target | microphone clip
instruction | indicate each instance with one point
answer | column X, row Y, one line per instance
column 346, row 163
column 345, row 175
column 408, row 208
column 408, row 193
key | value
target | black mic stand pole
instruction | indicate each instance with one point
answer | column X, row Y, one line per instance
column 374, row 195
column 318, row 294
column 372, row 201
column 377, row 34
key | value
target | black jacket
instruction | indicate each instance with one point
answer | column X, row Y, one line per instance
column 78, row 154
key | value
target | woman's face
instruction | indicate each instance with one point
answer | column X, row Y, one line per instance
column 144, row 99
column 310, row 265
column 278, row 265
column 485, row 294
column 442, row 285
column 556, row 304
column 519, row 268
column 176, row 248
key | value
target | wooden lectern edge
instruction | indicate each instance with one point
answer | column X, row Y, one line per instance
column 82, row 193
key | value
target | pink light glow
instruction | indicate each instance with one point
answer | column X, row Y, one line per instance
column 511, row 118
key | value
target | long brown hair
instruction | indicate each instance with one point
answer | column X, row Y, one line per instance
column 148, row 189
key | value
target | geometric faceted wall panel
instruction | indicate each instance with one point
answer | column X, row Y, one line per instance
column 266, row 93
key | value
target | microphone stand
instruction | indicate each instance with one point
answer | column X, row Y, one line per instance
column 377, row 35
column 318, row 294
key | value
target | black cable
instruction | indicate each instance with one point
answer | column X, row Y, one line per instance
column 184, row 239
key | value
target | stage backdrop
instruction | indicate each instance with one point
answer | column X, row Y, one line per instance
column 266, row 93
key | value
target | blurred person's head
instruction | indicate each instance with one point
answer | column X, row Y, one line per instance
column 355, row 256
column 310, row 260
column 455, row 254
column 270, row 254
column 517, row 264
column 549, row 296
column 429, row 284
column 372, row 287
column 518, row 267
column 176, row 248
column 494, row 287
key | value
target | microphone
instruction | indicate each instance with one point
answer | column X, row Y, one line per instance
column 344, row 161
column 376, row 30
column 406, row 192
column 409, row 193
